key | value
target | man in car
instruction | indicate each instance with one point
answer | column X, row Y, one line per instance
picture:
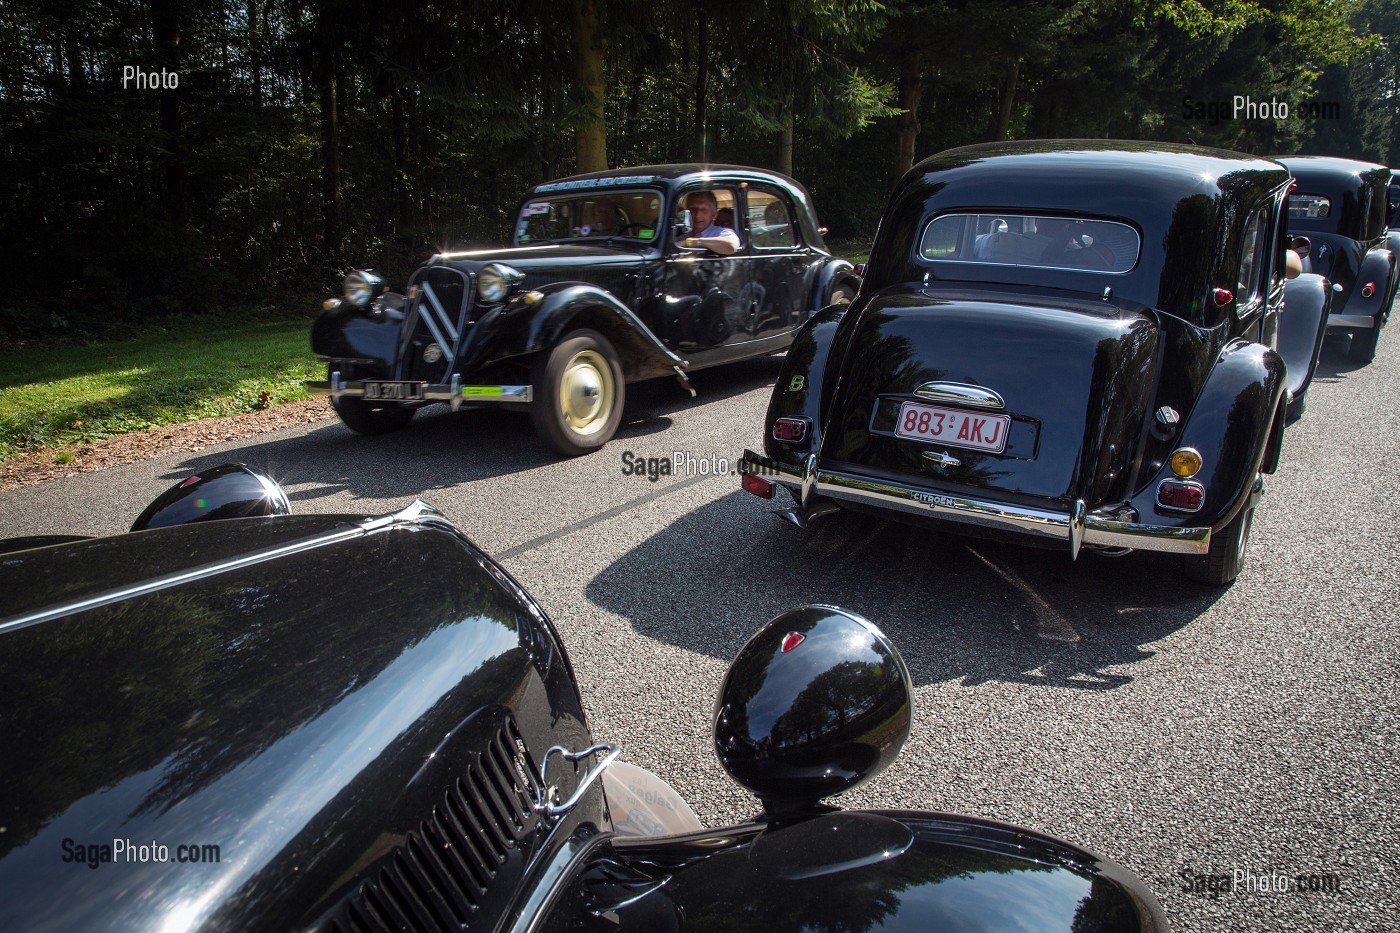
column 704, row 233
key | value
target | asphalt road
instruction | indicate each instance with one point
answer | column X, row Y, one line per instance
column 1178, row 730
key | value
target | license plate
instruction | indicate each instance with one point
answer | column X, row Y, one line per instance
column 953, row 427
column 394, row 391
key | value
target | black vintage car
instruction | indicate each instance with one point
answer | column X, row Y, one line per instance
column 1342, row 207
column 604, row 285
column 1066, row 343
column 237, row 725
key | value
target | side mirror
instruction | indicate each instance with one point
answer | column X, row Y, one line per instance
column 1300, row 245
column 228, row 491
column 683, row 225
column 818, row 702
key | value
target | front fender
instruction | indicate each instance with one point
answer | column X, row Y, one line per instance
column 1307, row 300
column 536, row 320
column 1231, row 425
column 369, row 338
column 801, row 390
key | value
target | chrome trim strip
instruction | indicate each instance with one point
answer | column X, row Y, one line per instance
column 415, row 513
column 453, row 392
column 960, row 393
column 442, row 312
column 432, row 325
column 1358, row 321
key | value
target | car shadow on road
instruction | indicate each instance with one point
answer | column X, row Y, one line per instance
column 441, row 448
column 1334, row 364
column 957, row 608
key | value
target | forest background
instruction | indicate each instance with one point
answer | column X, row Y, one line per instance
column 174, row 157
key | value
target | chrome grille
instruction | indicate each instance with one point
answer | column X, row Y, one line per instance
column 439, row 314
column 445, row 871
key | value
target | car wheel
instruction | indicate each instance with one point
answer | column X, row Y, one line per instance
column 1225, row 559
column 579, row 393
column 842, row 293
column 1363, row 344
column 363, row 418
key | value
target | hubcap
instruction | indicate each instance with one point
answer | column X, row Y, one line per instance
column 586, row 392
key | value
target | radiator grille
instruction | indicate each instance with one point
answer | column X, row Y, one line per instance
column 444, row 873
column 439, row 314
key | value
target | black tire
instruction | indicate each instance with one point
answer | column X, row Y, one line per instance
column 578, row 393
column 1363, row 344
column 1297, row 407
column 1223, row 563
column 366, row 418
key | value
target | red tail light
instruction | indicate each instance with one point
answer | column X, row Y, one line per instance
column 1368, row 289
column 1223, row 296
column 757, row 485
column 860, row 268
column 1184, row 497
column 790, row 429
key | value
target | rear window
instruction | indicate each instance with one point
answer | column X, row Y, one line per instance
column 1308, row 206
column 1040, row 241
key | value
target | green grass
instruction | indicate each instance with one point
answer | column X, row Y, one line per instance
column 51, row 396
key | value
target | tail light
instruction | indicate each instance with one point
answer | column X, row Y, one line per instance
column 757, row 485
column 1368, row 289
column 1181, row 496
column 1222, row 297
column 791, row 430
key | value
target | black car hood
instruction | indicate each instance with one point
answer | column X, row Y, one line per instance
column 1076, row 375
column 278, row 704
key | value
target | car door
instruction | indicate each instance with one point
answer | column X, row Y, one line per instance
column 704, row 296
column 776, row 300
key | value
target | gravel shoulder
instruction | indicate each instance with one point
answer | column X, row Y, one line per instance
column 40, row 466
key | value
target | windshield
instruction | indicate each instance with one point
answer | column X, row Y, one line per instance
column 595, row 215
column 1028, row 240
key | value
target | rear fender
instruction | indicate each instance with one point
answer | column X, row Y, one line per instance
column 538, row 319
column 829, row 274
column 1307, row 300
column 1379, row 270
column 1236, row 416
column 369, row 338
column 801, row 390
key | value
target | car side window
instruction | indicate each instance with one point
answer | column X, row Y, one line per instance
column 771, row 221
column 724, row 209
column 1252, row 259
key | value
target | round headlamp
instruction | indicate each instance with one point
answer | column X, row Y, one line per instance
column 1185, row 462
column 495, row 280
column 362, row 287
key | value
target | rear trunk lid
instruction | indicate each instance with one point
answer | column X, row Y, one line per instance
column 1031, row 396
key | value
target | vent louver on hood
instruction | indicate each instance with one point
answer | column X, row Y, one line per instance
column 442, row 876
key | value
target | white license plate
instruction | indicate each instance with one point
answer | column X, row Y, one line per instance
column 953, row 427
column 394, row 391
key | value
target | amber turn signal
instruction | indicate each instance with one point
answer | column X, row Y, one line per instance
column 1185, row 461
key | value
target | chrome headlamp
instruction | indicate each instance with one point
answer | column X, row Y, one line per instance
column 495, row 280
column 362, row 287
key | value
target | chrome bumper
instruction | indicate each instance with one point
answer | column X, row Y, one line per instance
column 454, row 393
column 1075, row 528
column 1358, row 321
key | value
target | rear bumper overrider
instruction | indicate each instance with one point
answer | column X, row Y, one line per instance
column 454, row 393
column 811, row 483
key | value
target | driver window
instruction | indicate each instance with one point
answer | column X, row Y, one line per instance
column 712, row 213
column 1252, row 258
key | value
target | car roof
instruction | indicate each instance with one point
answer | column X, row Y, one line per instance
column 1345, row 182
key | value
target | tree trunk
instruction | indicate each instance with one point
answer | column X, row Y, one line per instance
column 785, row 140
column 1008, row 101
column 165, row 16
column 590, row 56
column 702, row 80
column 911, row 93
column 401, row 170
column 330, row 153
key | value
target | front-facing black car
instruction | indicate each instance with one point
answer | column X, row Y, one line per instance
column 605, row 284
column 337, row 723
column 1074, row 343
column 1342, row 206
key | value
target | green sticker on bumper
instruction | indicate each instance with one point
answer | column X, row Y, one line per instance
column 481, row 391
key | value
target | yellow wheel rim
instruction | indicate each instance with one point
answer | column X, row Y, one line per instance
column 587, row 392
